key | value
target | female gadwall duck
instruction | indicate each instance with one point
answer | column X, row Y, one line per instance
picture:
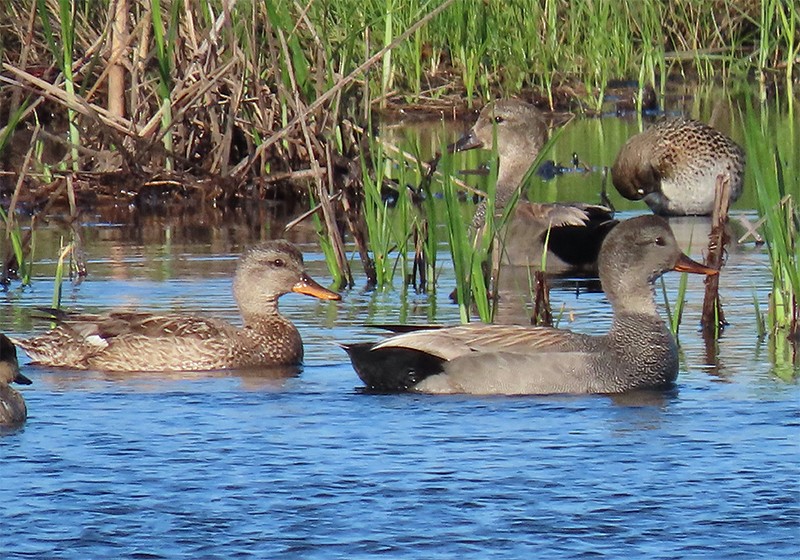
column 637, row 353
column 673, row 165
column 576, row 230
column 123, row 341
column 12, row 406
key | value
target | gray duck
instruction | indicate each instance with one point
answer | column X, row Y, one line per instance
column 673, row 165
column 13, row 411
column 638, row 352
column 576, row 230
column 131, row 341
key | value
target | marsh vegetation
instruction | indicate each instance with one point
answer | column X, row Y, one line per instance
column 128, row 107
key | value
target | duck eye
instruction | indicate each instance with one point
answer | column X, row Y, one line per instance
column 660, row 241
column 498, row 119
column 279, row 263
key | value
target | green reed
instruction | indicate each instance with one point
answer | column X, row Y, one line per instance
column 461, row 251
column 389, row 230
column 675, row 310
column 772, row 166
column 62, row 49
column 14, row 235
column 58, row 280
column 165, row 46
column 327, row 247
column 520, row 43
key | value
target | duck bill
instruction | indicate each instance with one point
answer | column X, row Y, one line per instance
column 22, row 380
column 685, row 264
column 466, row 142
column 310, row 287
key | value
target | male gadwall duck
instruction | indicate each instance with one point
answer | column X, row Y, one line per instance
column 576, row 230
column 673, row 165
column 125, row 341
column 638, row 352
column 12, row 406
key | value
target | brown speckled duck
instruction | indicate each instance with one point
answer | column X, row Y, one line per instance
column 577, row 229
column 638, row 352
column 13, row 411
column 125, row 341
column 673, row 165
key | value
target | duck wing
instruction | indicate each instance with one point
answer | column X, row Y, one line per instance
column 109, row 326
column 554, row 215
column 80, row 339
column 450, row 343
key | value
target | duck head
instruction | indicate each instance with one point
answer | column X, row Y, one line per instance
column 269, row 270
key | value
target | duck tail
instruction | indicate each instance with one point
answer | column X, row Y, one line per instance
column 391, row 369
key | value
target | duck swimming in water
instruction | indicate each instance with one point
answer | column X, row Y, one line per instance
column 131, row 341
column 13, row 411
column 638, row 352
column 576, row 230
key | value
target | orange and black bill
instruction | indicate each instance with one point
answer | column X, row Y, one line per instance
column 310, row 287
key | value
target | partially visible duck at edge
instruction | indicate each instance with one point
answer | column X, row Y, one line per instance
column 577, row 230
column 638, row 352
column 13, row 411
column 673, row 165
column 129, row 341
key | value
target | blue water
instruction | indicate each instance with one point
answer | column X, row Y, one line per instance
column 306, row 465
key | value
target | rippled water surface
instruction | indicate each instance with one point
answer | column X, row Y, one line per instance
column 307, row 466
column 304, row 464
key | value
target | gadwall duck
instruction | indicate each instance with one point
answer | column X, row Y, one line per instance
column 12, row 406
column 125, row 341
column 576, row 230
column 673, row 165
column 638, row 352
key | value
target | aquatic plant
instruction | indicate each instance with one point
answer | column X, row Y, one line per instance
column 58, row 279
column 376, row 210
column 771, row 164
column 63, row 52
column 14, row 234
column 675, row 310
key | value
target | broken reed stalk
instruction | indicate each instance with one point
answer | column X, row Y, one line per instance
column 542, row 312
column 713, row 318
column 421, row 239
column 354, row 217
column 419, row 272
column 334, row 234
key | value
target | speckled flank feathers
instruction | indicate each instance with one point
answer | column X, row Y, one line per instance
column 638, row 352
column 673, row 165
column 130, row 341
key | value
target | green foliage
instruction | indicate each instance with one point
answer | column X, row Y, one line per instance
column 14, row 234
column 772, row 166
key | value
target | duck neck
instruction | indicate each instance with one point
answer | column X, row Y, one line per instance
column 265, row 312
column 509, row 176
column 640, row 303
column 644, row 341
